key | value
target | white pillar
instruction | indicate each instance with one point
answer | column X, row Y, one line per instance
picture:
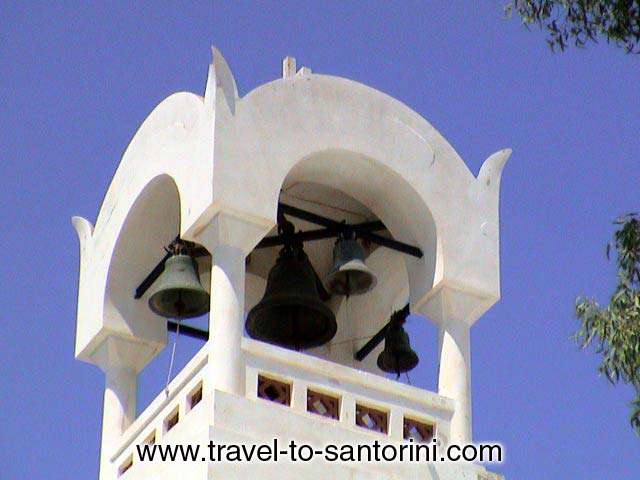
column 118, row 411
column 229, row 238
column 226, row 318
column 454, row 376
column 455, row 310
column 121, row 360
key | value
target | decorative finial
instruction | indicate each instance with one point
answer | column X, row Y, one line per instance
column 288, row 67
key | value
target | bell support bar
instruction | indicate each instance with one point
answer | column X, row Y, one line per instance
column 332, row 228
column 397, row 316
column 310, row 235
column 320, row 234
column 361, row 230
column 188, row 330
column 154, row 274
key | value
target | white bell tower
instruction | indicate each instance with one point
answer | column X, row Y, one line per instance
column 213, row 170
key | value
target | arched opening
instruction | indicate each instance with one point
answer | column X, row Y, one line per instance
column 152, row 223
column 345, row 186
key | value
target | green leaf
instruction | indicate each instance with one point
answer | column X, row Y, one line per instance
column 614, row 331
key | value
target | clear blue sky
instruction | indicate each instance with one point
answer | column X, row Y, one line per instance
column 76, row 82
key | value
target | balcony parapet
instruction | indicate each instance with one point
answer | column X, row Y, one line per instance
column 352, row 387
column 150, row 421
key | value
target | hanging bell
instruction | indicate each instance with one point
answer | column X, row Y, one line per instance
column 397, row 356
column 291, row 313
column 178, row 292
column 349, row 275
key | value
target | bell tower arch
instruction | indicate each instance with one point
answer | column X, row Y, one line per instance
column 220, row 172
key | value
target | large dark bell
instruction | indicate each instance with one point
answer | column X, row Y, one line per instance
column 178, row 292
column 397, row 356
column 291, row 313
column 349, row 275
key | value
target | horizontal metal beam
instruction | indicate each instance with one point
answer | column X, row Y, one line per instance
column 200, row 252
column 371, row 344
column 391, row 243
column 332, row 228
column 360, row 232
column 152, row 277
column 398, row 316
column 187, row 330
column 309, row 216
column 310, row 235
column 320, row 234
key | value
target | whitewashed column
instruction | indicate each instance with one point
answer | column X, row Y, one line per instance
column 454, row 376
column 229, row 238
column 226, row 319
column 118, row 412
column 455, row 310
column 120, row 359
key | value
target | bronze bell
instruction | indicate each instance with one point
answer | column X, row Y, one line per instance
column 397, row 356
column 178, row 292
column 349, row 275
column 291, row 313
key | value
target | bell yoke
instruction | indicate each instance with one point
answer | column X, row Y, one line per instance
column 292, row 312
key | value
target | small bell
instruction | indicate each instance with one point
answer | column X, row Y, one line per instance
column 291, row 313
column 349, row 275
column 179, row 293
column 398, row 356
